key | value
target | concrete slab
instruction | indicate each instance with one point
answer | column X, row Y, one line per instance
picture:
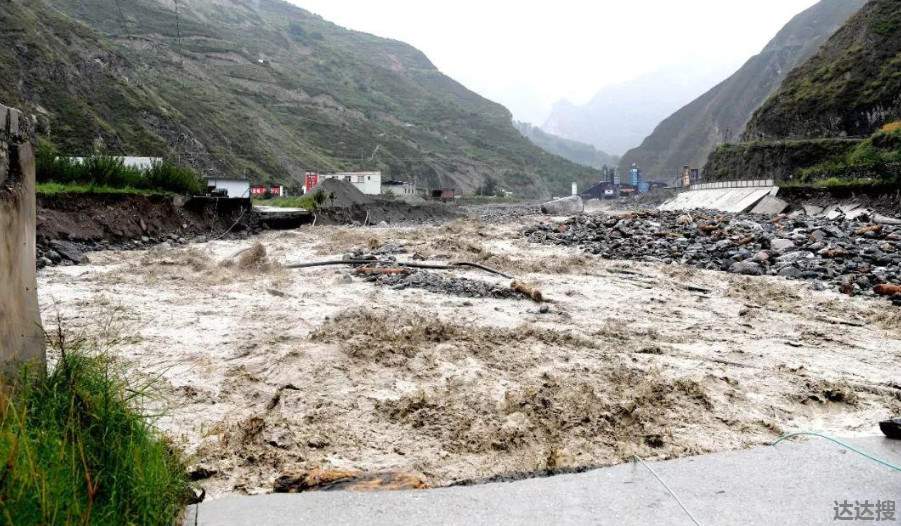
column 770, row 205
column 793, row 483
column 724, row 199
column 832, row 213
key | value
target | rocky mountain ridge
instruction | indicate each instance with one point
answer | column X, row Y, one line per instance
column 720, row 115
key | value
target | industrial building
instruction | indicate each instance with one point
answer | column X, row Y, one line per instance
column 612, row 187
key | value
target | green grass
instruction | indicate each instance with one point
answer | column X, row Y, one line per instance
column 75, row 450
column 80, row 188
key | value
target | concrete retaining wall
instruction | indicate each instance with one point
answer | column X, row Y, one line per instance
column 21, row 335
column 724, row 199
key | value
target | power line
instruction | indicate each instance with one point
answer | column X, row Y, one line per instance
column 177, row 25
column 121, row 17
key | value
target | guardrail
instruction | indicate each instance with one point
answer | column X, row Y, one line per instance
column 752, row 183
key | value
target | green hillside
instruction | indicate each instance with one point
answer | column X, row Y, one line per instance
column 851, row 87
column 836, row 119
column 257, row 88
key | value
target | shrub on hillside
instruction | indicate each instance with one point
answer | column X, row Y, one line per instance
column 892, row 127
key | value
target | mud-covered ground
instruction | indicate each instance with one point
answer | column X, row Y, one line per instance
column 264, row 371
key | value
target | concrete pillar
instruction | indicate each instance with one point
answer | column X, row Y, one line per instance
column 21, row 334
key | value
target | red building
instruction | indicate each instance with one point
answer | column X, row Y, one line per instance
column 311, row 180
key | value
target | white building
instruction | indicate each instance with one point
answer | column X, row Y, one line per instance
column 231, row 186
column 141, row 163
column 369, row 183
column 399, row 188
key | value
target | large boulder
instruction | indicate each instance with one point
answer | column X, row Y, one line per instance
column 748, row 268
column 70, row 251
column 782, row 245
column 564, row 206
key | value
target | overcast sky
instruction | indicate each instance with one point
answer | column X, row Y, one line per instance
column 528, row 54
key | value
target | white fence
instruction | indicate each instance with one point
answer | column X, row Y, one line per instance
column 754, row 183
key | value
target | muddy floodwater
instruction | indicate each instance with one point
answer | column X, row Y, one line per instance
column 264, row 371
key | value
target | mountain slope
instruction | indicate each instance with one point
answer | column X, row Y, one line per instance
column 851, row 87
column 618, row 117
column 258, row 88
column 577, row 152
column 837, row 117
column 720, row 115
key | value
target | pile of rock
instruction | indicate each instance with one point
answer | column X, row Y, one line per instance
column 502, row 213
column 440, row 284
column 852, row 256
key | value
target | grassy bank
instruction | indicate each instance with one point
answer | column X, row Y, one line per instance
column 304, row 201
column 80, row 188
column 75, row 450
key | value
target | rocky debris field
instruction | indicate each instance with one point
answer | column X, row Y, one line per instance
column 854, row 257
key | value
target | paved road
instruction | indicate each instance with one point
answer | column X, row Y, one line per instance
column 793, row 483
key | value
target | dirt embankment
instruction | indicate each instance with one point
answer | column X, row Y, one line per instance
column 70, row 224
